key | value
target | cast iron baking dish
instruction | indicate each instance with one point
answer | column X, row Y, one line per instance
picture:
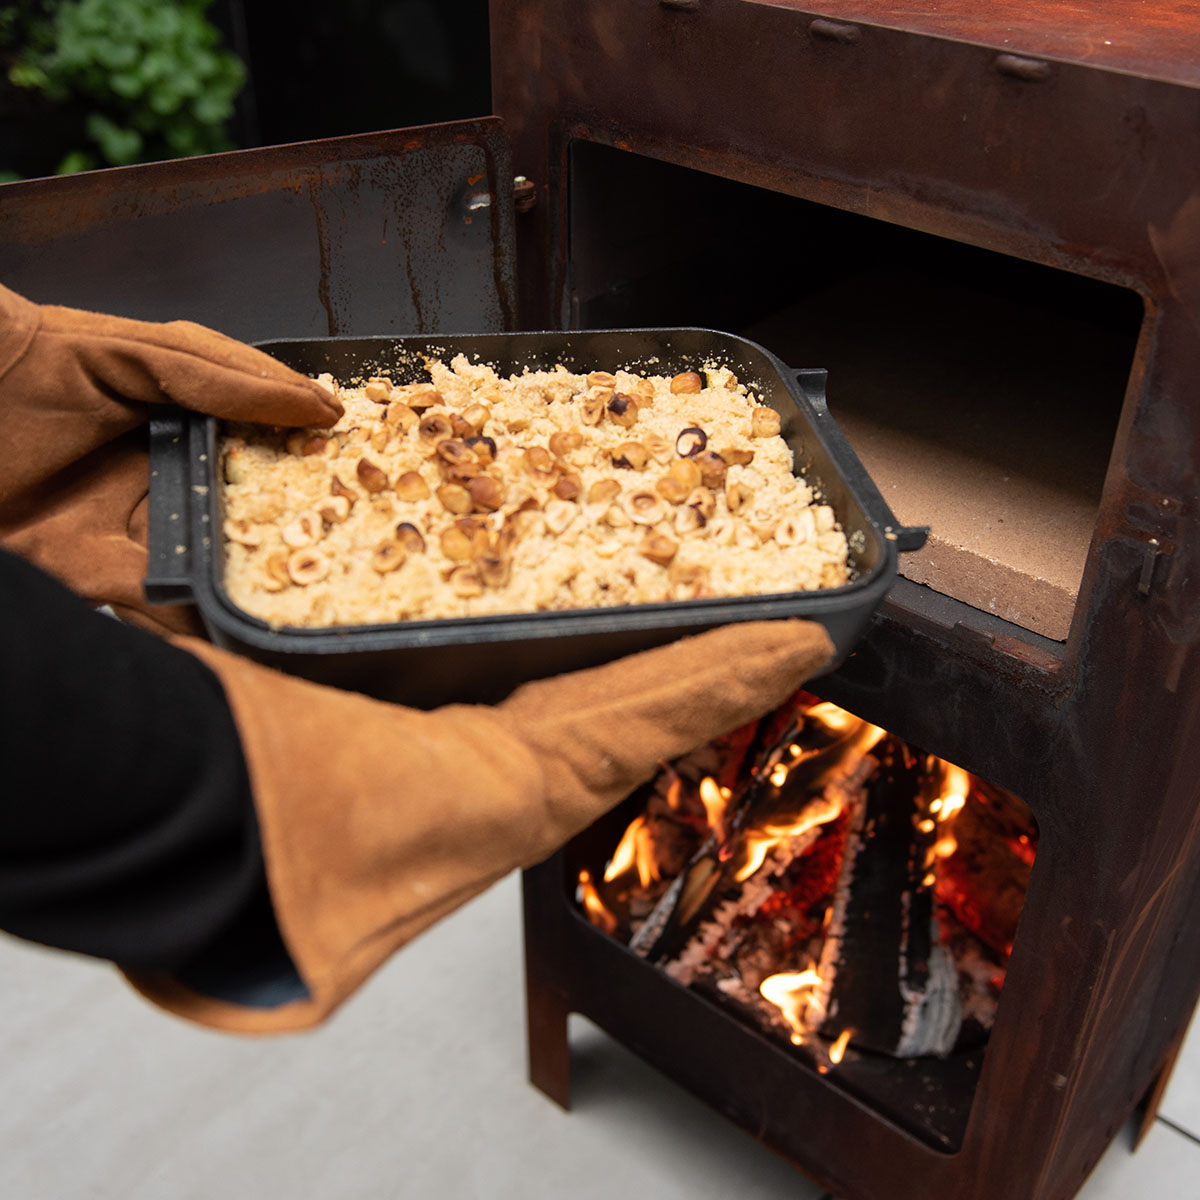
column 426, row 663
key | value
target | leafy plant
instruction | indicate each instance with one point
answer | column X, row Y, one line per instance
column 143, row 79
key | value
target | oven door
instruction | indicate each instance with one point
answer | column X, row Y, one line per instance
column 405, row 231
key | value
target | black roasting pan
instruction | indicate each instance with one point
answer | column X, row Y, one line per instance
column 426, row 663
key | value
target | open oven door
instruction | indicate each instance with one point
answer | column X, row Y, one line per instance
column 405, row 231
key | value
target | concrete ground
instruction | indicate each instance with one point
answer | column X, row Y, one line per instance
column 416, row 1089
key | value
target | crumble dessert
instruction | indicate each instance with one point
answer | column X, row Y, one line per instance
column 472, row 494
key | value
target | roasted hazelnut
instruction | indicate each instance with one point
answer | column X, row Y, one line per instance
column 477, row 416
column 410, row 537
column 464, row 542
column 616, row 517
column 603, row 490
column 485, row 492
column 689, row 519
column 379, row 439
column 658, row 448
column 644, row 390
column 558, row 515
column 434, row 427
column 454, row 452
column 622, row 410
column 693, row 577
column 737, row 496
column 564, row 441
column 703, row 501
column 601, row 379
column 243, row 533
column 307, row 566
column 277, row 573
column 658, row 548
column 494, row 569
column 736, row 457
column 679, row 481
column 593, row 406
column 338, row 488
column 690, row 441
column 465, row 582
column 484, row 448
column 631, row 455
column 539, row 463
column 303, row 531
column 460, row 426
column 794, row 531
column 400, row 416
column 421, row 395
column 410, row 486
column 687, row 383
column 235, row 466
column 370, row 476
column 387, row 556
column 379, row 390
column 645, row 508
column 568, row 487
column 455, row 498
column 304, row 443
column 764, row 422
column 712, row 468
column 333, row 510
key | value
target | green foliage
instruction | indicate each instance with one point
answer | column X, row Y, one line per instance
column 149, row 78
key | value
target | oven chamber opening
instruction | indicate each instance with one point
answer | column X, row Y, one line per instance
column 982, row 392
column 835, row 890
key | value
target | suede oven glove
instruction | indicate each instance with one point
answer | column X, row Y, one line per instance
column 375, row 820
column 75, row 391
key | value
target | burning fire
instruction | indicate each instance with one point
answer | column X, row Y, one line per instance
column 789, row 992
column 595, row 908
column 635, row 849
column 801, row 782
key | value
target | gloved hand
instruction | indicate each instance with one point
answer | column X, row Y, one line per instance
column 74, row 463
column 377, row 820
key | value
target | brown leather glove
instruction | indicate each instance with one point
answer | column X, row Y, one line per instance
column 377, row 820
column 74, row 465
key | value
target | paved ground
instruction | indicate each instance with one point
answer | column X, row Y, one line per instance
column 416, row 1090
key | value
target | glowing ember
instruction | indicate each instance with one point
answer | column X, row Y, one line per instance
column 763, row 839
column 593, row 905
column 838, row 1049
column 788, row 991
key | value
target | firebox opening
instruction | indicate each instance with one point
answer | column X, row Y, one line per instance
column 847, row 896
column 982, row 392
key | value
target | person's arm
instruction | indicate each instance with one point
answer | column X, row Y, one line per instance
column 127, row 829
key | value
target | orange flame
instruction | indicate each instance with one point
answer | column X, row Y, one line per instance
column 715, row 800
column 763, row 839
column 595, row 908
column 956, row 784
column 788, row 991
column 635, row 849
column 838, row 1049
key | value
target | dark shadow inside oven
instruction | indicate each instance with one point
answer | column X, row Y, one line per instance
column 983, row 392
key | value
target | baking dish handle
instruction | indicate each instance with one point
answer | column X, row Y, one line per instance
column 811, row 382
column 169, row 570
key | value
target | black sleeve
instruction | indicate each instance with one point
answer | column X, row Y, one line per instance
column 127, row 829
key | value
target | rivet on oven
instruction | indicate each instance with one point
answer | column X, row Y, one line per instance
column 524, row 194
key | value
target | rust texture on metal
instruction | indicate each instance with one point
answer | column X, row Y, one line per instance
column 368, row 234
column 1077, row 151
column 1156, row 38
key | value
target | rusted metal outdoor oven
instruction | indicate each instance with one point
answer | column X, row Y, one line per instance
column 985, row 222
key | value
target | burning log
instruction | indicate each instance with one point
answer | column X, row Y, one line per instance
column 883, row 973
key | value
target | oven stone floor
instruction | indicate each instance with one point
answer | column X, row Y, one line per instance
column 416, row 1089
